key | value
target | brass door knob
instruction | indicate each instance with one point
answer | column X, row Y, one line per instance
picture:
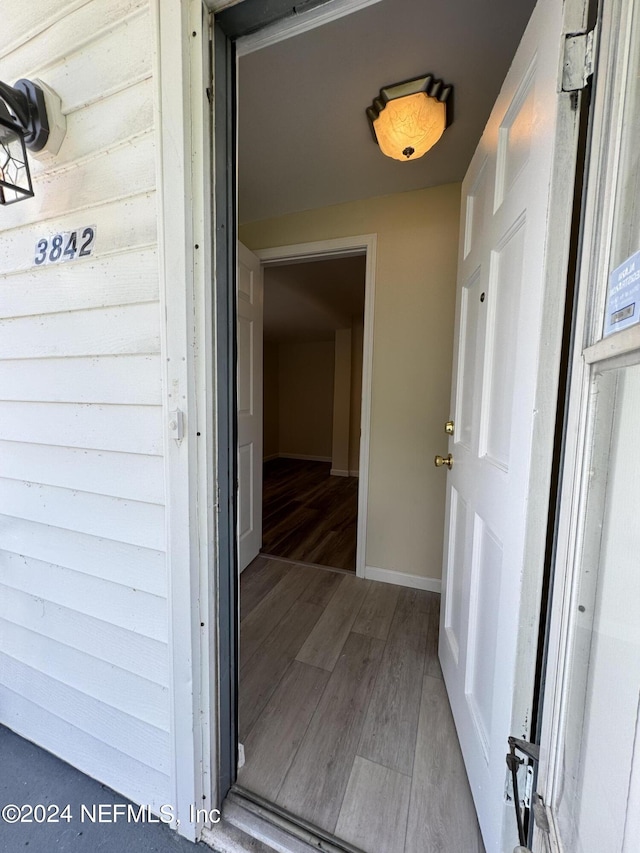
column 447, row 460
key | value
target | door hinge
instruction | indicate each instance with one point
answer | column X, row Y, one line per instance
column 578, row 61
column 528, row 787
column 522, row 804
column 540, row 815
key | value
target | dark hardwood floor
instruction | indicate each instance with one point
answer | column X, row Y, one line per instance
column 308, row 515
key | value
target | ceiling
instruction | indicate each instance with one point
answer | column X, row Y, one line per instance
column 309, row 301
column 304, row 140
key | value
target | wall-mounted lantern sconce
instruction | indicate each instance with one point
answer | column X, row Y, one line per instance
column 30, row 118
column 407, row 119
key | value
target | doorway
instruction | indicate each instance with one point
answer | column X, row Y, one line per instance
column 407, row 575
column 319, row 316
column 323, row 656
column 313, row 321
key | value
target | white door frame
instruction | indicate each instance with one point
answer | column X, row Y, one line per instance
column 186, row 268
column 324, row 250
column 591, row 354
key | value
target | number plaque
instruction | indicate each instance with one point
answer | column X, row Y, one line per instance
column 65, row 246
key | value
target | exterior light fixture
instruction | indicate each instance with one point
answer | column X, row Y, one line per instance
column 407, row 119
column 30, row 118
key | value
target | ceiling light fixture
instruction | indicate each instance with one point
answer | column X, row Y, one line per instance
column 407, row 119
column 30, row 117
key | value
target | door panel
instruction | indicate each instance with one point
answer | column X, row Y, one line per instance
column 454, row 597
column 501, row 298
column 470, row 334
column 501, row 338
column 250, row 294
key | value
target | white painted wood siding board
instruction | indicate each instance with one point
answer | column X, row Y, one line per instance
column 123, row 171
column 124, row 226
column 139, row 568
column 134, row 779
column 119, row 475
column 24, row 21
column 108, row 122
column 96, row 331
column 127, row 607
column 120, row 279
column 130, row 429
column 118, row 57
column 98, row 515
column 84, row 668
column 125, row 733
column 114, row 686
column 107, row 305
column 79, row 29
column 119, row 379
column 137, row 654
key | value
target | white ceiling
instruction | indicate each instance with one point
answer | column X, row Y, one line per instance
column 309, row 301
column 304, row 139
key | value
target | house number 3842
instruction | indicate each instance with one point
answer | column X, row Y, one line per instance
column 67, row 246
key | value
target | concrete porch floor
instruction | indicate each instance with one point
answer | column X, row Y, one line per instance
column 30, row 775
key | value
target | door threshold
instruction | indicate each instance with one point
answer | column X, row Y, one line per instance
column 307, row 565
column 274, row 828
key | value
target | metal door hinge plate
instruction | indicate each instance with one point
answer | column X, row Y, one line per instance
column 528, row 787
column 578, row 61
column 540, row 813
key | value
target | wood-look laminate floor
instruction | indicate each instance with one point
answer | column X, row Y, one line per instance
column 308, row 515
column 344, row 715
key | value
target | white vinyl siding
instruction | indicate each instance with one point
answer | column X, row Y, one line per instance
column 83, row 588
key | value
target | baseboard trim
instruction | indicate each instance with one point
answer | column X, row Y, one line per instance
column 272, row 456
column 339, row 472
column 304, row 457
column 402, row 579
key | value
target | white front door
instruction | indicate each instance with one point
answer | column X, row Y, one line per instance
column 503, row 408
column 250, row 294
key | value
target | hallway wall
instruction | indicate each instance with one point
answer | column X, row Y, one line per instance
column 271, row 400
column 305, row 398
column 412, row 357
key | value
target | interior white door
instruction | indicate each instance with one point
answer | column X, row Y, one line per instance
column 497, row 377
column 250, row 296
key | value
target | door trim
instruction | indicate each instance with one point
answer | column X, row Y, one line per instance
column 324, row 250
column 590, row 355
column 184, row 177
column 295, row 25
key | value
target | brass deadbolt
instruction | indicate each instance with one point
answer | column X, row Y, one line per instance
column 449, row 427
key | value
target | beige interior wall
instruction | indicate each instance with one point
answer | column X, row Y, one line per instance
column 412, row 356
column 271, row 404
column 306, row 398
column 341, row 403
column 357, row 335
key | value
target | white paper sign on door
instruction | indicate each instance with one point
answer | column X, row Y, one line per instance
column 623, row 301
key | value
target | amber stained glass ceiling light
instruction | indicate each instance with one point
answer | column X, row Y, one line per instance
column 407, row 119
